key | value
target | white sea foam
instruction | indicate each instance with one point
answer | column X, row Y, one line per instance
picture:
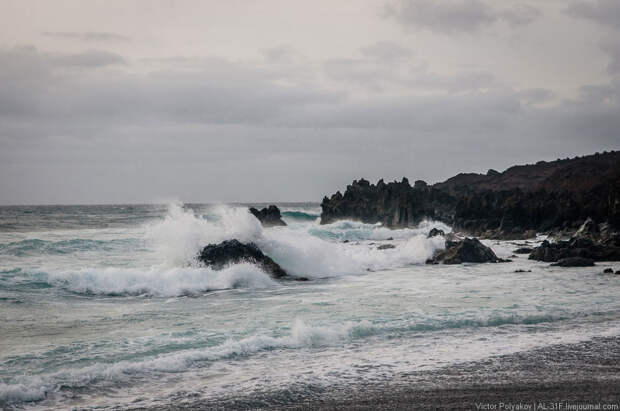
column 301, row 250
column 314, row 257
column 158, row 281
column 182, row 233
column 16, row 393
column 33, row 388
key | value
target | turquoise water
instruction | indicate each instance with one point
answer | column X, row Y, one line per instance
column 106, row 305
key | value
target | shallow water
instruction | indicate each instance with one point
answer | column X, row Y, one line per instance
column 105, row 305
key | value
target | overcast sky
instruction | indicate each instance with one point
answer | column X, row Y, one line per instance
column 274, row 100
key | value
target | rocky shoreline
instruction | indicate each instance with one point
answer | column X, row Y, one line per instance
column 576, row 198
column 547, row 197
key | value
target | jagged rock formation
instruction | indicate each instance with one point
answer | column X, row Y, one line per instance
column 218, row 256
column 268, row 216
column 576, row 247
column 543, row 197
column 395, row 204
column 590, row 241
column 469, row 250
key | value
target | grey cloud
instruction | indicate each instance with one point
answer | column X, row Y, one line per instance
column 453, row 16
column 183, row 130
column 89, row 36
column 386, row 51
column 519, row 15
column 88, row 58
column 388, row 65
column 26, row 62
column 215, row 92
column 612, row 48
column 279, row 54
column 606, row 12
column 599, row 93
column 535, row 95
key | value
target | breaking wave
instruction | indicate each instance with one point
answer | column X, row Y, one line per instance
column 36, row 388
column 300, row 215
column 300, row 335
column 152, row 282
column 307, row 250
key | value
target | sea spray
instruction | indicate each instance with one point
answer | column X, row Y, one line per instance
column 182, row 233
column 304, row 250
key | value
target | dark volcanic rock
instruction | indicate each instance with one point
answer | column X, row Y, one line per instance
column 589, row 229
column 574, row 262
column 470, row 250
column 228, row 252
column 608, row 271
column 576, row 247
column 523, row 250
column 268, row 216
column 386, row 246
column 395, row 204
column 435, row 232
column 517, row 203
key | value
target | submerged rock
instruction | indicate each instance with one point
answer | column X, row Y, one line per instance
column 386, row 246
column 574, row 262
column 523, row 250
column 268, row 216
column 608, row 271
column 469, row 250
column 218, row 256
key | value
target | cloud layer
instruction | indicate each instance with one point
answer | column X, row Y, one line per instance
column 453, row 16
column 89, row 117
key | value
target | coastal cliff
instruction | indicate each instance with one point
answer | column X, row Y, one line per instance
column 555, row 196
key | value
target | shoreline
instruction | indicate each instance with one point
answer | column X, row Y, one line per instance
column 560, row 376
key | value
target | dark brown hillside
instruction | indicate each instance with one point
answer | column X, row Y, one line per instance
column 559, row 175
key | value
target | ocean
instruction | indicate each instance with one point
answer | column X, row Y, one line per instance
column 105, row 306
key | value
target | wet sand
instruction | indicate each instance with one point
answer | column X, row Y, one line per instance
column 558, row 377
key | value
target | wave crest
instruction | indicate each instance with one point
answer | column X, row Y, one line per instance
column 159, row 282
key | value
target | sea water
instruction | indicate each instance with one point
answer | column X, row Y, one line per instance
column 104, row 306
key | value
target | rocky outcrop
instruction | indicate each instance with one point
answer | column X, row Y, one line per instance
column 395, row 204
column 218, row 256
column 589, row 242
column 543, row 197
column 268, row 216
column 575, row 247
column 435, row 232
column 469, row 250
